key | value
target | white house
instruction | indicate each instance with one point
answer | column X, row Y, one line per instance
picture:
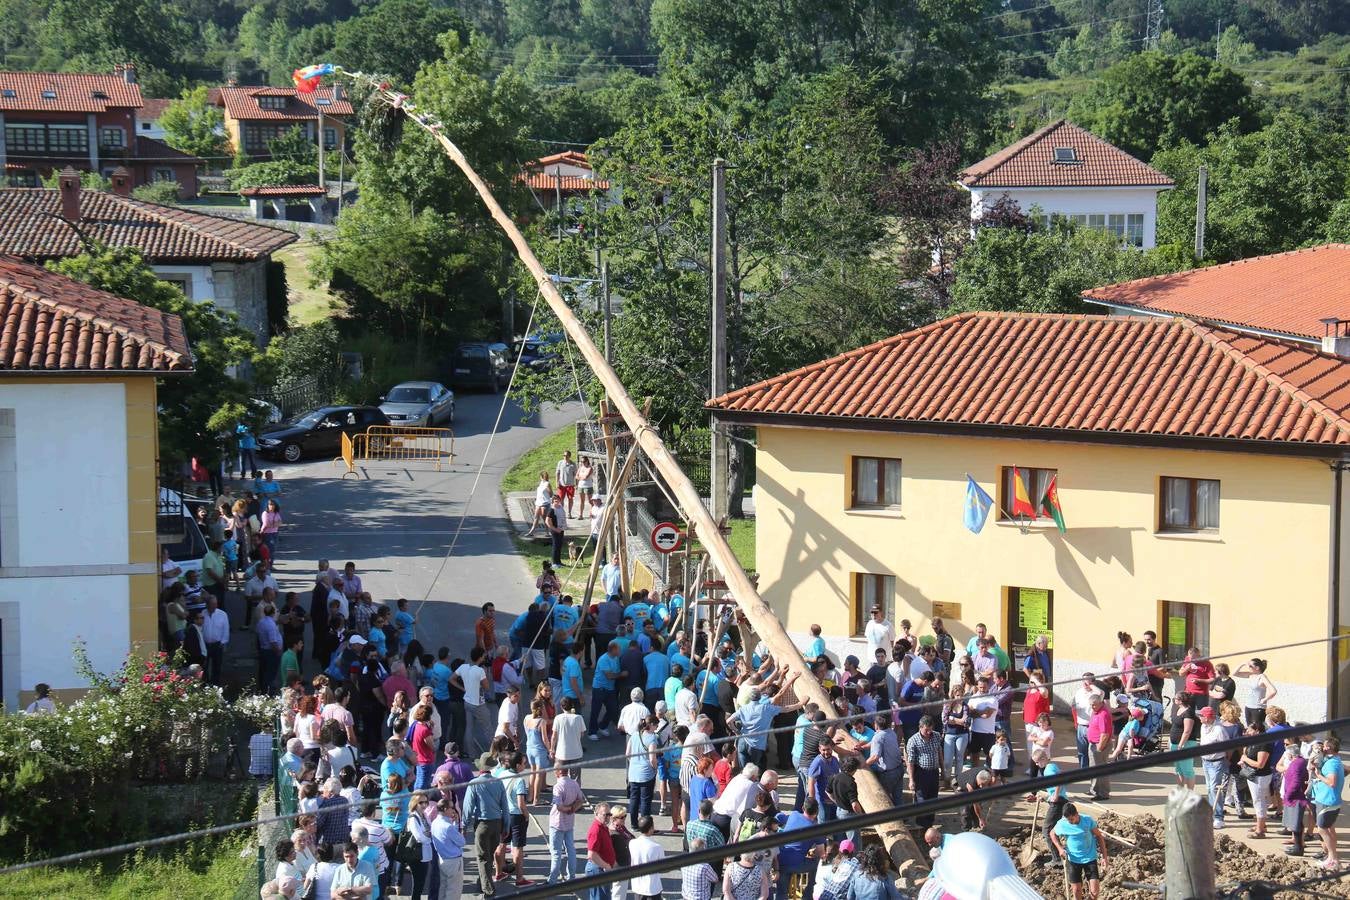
column 78, row 448
column 1063, row 170
column 564, row 176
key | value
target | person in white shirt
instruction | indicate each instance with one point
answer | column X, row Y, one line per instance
column 216, row 633
column 543, row 499
column 474, row 682
column 255, row 591
column 632, row 715
column 427, row 697
column 741, row 792
column 642, row 849
column 568, row 727
column 879, row 632
column 983, row 709
column 1082, row 714
column 686, row 704
column 508, row 715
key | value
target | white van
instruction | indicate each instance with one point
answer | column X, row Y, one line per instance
column 188, row 551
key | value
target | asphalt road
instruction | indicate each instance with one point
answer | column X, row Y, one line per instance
column 396, row 521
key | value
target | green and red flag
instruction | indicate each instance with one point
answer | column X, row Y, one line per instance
column 1050, row 503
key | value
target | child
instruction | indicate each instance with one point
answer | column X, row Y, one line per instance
column 815, row 649
column 405, row 622
column 1000, row 758
column 230, row 551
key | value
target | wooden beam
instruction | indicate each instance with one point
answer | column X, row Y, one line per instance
column 606, row 523
column 870, row 792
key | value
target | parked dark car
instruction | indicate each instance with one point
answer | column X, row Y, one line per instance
column 478, row 364
column 317, row 433
column 539, row 353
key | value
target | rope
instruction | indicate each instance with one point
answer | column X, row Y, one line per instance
column 482, row 464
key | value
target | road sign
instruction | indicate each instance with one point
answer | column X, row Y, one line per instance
column 666, row 537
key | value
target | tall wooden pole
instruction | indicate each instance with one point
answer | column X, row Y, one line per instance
column 871, row 794
column 606, row 523
column 1190, row 846
column 1201, row 204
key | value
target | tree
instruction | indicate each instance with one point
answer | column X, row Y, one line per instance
column 272, row 172
column 194, row 125
column 1269, row 191
column 396, row 37
column 95, row 35
column 1010, row 269
column 1151, row 101
column 932, row 58
column 1232, row 50
column 194, row 408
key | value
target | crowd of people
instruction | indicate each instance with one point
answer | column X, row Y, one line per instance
column 401, row 757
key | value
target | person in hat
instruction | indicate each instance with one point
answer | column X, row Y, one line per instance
column 1125, row 743
column 485, row 814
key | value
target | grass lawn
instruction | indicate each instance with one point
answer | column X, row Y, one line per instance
column 308, row 304
column 534, row 555
column 214, row 869
column 742, row 541
column 524, row 475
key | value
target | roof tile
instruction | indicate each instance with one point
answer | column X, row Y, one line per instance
column 49, row 322
column 1083, row 374
column 242, row 103
column 74, row 92
column 1287, row 293
column 1030, row 162
column 28, row 228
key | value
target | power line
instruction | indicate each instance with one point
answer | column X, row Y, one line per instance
column 824, row 830
column 1072, row 25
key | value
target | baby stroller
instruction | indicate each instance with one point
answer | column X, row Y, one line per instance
column 1147, row 740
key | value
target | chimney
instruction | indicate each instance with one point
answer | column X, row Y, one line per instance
column 232, row 81
column 69, row 182
column 129, row 73
column 338, row 93
column 1335, row 340
column 121, row 182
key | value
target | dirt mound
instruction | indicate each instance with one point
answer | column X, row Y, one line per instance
column 1145, row 863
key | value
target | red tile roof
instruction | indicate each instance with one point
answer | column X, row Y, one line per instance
column 543, row 181
column 1287, row 293
column 152, row 150
column 567, row 157
column 49, row 322
column 1090, row 377
column 74, row 92
column 160, row 232
column 152, row 108
column 1030, row 163
column 284, row 190
column 242, row 103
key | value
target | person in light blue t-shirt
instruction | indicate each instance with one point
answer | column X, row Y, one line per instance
column 1079, row 839
column 565, row 617
column 815, row 649
column 1328, row 781
column 404, row 621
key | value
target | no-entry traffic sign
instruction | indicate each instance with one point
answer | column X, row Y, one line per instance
column 666, row 537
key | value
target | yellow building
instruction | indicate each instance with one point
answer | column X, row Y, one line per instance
column 79, row 559
column 1199, row 470
column 254, row 116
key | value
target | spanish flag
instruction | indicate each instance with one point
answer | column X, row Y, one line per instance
column 1050, row 503
column 1021, row 501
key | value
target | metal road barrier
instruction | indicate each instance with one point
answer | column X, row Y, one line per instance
column 399, row 444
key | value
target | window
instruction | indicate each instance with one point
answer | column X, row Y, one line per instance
column 145, row 126
column 68, row 139
column 182, row 282
column 1115, row 223
column 99, row 95
column 256, row 137
column 329, row 138
column 269, row 102
column 1134, row 229
column 164, row 175
column 323, row 101
column 1065, row 155
column 49, row 95
column 114, row 138
column 1182, row 626
column 876, row 483
column 27, row 178
column 8, row 93
column 1189, row 504
column 870, row 591
column 1034, row 482
column 25, row 138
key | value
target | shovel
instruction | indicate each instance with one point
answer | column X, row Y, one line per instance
column 1029, row 852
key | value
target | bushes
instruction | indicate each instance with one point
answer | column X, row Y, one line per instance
column 157, row 192
column 143, row 723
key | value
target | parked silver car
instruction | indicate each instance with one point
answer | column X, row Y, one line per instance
column 419, row 404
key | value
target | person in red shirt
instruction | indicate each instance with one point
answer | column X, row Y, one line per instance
column 725, row 768
column 1197, row 672
column 485, row 630
column 1037, row 702
column 600, row 855
column 422, row 744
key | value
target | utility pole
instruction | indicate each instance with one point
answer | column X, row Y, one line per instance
column 717, row 480
column 1189, row 851
column 1201, row 201
column 1153, row 26
column 322, row 184
column 604, row 309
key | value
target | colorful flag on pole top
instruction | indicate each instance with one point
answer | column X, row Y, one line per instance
column 978, row 504
column 1021, row 501
column 1050, row 503
column 307, row 79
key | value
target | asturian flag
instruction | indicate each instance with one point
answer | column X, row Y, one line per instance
column 978, row 504
column 307, row 79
